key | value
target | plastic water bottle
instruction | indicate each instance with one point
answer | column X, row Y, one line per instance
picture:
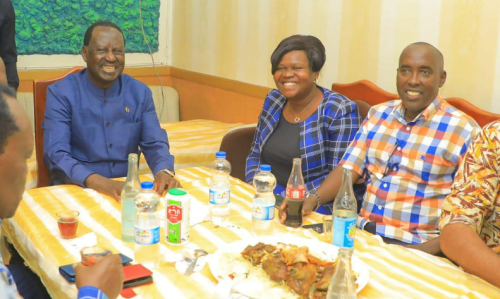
column 344, row 212
column 147, row 226
column 263, row 202
column 129, row 191
column 220, row 189
column 342, row 285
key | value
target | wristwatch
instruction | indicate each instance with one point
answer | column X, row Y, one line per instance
column 169, row 172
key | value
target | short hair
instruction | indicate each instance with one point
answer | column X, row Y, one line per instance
column 440, row 55
column 88, row 33
column 8, row 124
column 311, row 45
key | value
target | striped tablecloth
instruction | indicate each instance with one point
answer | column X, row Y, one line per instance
column 395, row 272
column 192, row 142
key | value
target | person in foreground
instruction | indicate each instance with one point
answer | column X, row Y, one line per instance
column 95, row 118
column 470, row 230
column 301, row 119
column 102, row 280
column 407, row 151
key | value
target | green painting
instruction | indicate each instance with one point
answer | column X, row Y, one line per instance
column 58, row 26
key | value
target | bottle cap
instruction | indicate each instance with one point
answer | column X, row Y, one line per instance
column 177, row 192
column 220, row 155
column 265, row 167
column 147, row 185
column 348, row 167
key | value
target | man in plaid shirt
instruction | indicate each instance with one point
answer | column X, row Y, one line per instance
column 407, row 151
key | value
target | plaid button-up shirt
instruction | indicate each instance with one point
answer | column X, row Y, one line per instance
column 324, row 136
column 408, row 167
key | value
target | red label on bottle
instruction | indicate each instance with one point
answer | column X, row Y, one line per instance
column 174, row 214
column 296, row 193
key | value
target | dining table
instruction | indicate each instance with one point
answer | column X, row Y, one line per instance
column 394, row 271
column 192, row 143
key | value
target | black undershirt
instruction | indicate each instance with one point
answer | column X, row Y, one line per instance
column 281, row 148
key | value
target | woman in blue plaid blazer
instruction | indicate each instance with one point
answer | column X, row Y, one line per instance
column 301, row 119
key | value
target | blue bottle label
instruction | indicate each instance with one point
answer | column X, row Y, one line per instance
column 263, row 212
column 220, row 197
column 146, row 236
column 343, row 232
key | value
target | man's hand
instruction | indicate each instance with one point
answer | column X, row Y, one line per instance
column 163, row 180
column 431, row 247
column 104, row 185
column 106, row 275
column 307, row 208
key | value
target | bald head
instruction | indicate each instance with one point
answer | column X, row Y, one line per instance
column 426, row 47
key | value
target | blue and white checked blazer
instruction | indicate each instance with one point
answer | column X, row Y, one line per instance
column 324, row 136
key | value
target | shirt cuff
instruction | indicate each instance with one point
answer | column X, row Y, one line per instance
column 81, row 175
column 361, row 222
column 89, row 292
column 162, row 166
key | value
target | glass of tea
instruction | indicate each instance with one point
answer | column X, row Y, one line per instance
column 68, row 223
column 91, row 255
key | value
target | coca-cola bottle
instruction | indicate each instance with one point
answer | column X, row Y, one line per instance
column 295, row 195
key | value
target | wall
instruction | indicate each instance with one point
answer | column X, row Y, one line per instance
column 161, row 57
column 363, row 38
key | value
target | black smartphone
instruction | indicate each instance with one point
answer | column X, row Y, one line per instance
column 279, row 200
column 138, row 282
column 318, row 227
column 69, row 274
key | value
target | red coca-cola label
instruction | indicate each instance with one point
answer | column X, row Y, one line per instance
column 174, row 214
column 298, row 193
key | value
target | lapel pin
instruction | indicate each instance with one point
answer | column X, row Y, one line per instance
column 126, row 109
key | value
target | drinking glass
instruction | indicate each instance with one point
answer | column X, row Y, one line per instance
column 68, row 223
column 91, row 255
column 328, row 228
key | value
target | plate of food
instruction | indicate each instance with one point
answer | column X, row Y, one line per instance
column 282, row 267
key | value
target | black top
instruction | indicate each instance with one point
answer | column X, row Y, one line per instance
column 281, row 148
column 8, row 50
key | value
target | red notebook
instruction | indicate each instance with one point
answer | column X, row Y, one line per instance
column 135, row 275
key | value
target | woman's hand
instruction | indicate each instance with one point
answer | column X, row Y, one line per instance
column 307, row 208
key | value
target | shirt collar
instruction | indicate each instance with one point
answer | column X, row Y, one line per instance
column 98, row 91
column 428, row 112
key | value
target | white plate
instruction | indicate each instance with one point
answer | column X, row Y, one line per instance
column 317, row 248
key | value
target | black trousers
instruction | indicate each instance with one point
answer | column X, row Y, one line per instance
column 28, row 283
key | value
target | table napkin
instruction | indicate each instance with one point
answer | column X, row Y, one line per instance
column 181, row 264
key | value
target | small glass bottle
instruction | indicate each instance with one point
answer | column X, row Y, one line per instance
column 342, row 285
column 295, row 195
column 344, row 212
column 131, row 188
